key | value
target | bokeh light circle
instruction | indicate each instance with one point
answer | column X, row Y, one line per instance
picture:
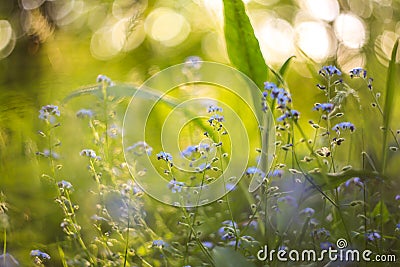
column 171, row 113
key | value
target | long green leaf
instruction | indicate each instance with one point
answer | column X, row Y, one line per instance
column 242, row 45
column 392, row 84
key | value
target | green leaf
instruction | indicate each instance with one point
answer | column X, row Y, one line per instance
column 381, row 211
column 242, row 45
column 392, row 82
column 226, row 257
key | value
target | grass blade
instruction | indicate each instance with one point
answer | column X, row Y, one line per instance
column 392, row 81
column 242, row 45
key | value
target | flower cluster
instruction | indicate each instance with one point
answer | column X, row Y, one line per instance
column 175, row 186
column 84, row 113
column 104, row 79
column 89, row 153
column 344, row 126
column 328, row 107
column 140, row 148
column 282, row 96
column 330, row 71
column 164, row 156
column 289, row 114
column 358, row 72
column 48, row 112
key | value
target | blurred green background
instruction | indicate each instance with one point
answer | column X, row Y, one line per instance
column 50, row 48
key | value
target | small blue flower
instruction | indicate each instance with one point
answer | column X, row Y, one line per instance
column 216, row 118
column 208, row 244
column 358, row 72
column 40, row 254
column 189, row 151
column 397, row 197
column 48, row 112
column 175, row 186
column 308, row 212
column 371, row 236
column 230, row 187
column 65, row 185
column 328, row 107
column 276, row 173
column 320, row 232
column 344, row 126
column 193, row 62
column 355, row 180
column 330, row 71
column 283, row 247
column 102, row 78
column 140, row 148
column 269, row 86
column 84, row 113
column 397, row 227
column 164, row 156
column 213, row 109
column 89, row 153
column 158, row 243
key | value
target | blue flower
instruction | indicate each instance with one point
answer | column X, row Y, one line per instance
column 330, row 71
column 208, row 244
column 289, row 200
column 89, row 153
column 276, row 173
column 189, row 151
column 397, row 197
column 292, row 114
column 371, row 236
column 344, row 126
column 397, row 227
column 358, row 72
column 158, row 243
column 255, row 171
column 216, row 117
column 65, row 185
column 192, row 62
column 102, row 78
column 175, row 186
column 164, row 156
column 226, row 232
column 328, row 107
column 355, row 180
column 308, row 212
column 140, row 148
column 269, row 86
column 84, row 113
column 40, row 254
column 48, row 112
column 214, row 109
column 319, row 233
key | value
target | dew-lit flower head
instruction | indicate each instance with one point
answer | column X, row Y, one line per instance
column 344, row 126
column 330, row 71
column 358, row 72
column 48, row 112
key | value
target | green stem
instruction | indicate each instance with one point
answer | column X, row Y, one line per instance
column 4, row 246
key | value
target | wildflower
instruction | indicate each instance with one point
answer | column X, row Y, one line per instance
column 48, row 112
column 330, row 71
column 308, row 212
column 216, row 117
column 397, row 197
column 84, row 113
column 326, row 245
column 283, row 247
column 189, row 151
column 276, row 173
column 158, row 243
column 89, row 153
column 46, row 153
column 102, row 78
column 213, row 108
column 371, row 236
column 358, row 72
column 226, row 232
column 319, row 233
column 164, row 156
column 140, row 148
column 269, row 86
column 208, row 244
column 65, row 185
column 328, row 107
column 113, row 131
column 203, row 167
column 175, row 186
column 355, row 180
column 193, row 62
column 230, row 187
column 397, row 227
column 40, row 254
column 344, row 126
column 292, row 114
